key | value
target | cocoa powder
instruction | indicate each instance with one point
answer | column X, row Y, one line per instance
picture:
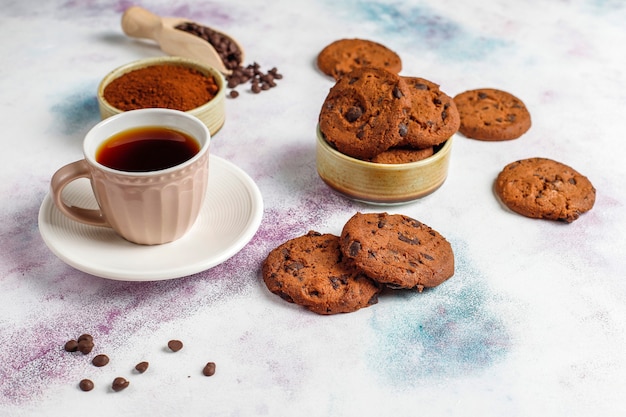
column 163, row 86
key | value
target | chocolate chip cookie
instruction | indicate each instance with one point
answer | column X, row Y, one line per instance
column 397, row 250
column 364, row 112
column 433, row 116
column 402, row 155
column 492, row 115
column 344, row 55
column 545, row 189
column 311, row 271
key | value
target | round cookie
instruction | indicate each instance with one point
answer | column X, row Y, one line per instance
column 363, row 113
column 342, row 56
column 433, row 116
column 402, row 155
column 545, row 189
column 397, row 250
column 310, row 271
column 492, row 115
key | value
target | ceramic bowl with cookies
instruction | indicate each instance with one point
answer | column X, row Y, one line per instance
column 384, row 138
column 165, row 82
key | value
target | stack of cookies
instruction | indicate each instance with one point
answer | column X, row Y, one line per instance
column 330, row 274
column 374, row 114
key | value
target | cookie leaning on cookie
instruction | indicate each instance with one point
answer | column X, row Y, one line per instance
column 328, row 274
column 433, row 117
column 397, row 250
column 363, row 113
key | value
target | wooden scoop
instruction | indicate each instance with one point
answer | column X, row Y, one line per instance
column 140, row 23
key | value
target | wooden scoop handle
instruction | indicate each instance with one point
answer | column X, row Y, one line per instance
column 141, row 23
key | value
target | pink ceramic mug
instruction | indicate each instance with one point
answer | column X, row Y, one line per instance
column 150, row 207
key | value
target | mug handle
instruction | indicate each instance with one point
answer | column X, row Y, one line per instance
column 60, row 180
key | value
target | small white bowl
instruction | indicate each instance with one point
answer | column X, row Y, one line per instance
column 383, row 184
column 211, row 113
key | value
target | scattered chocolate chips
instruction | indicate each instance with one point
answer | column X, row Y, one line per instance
column 120, row 384
column 252, row 74
column 175, row 345
column 209, row 369
column 142, row 367
column 231, row 56
column 100, row 360
column 86, row 385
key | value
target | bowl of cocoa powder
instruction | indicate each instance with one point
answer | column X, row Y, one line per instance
column 165, row 82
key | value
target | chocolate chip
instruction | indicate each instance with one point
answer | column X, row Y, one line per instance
column 85, row 385
column 353, row 114
column 119, row 384
column 71, row 346
column 175, row 345
column 294, row 266
column 408, row 240
column 397, row 93
column 85, row 346
column 86, row 337
column 209, row 369
column 403, row 130
column 355, row 248
column 427, row 256
column 482, row 95
column 142, row 367
column 420, row 86
column 100, row 360
column 233, row 94
column 334, row 282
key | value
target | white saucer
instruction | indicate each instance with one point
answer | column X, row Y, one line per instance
column 230, row 217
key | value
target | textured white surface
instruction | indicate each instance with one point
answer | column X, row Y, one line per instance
column 532, row 323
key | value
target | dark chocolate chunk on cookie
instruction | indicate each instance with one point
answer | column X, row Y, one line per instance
column 397, row 250
column 311, row 271
column 364, row 112
column 433, row 116
column 344, row 55
column 545, row 189
column 492, row 115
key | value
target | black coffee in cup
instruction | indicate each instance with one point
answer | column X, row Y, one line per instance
column 143, row 149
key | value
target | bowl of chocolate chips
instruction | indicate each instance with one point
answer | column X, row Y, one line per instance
column 165, row 82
